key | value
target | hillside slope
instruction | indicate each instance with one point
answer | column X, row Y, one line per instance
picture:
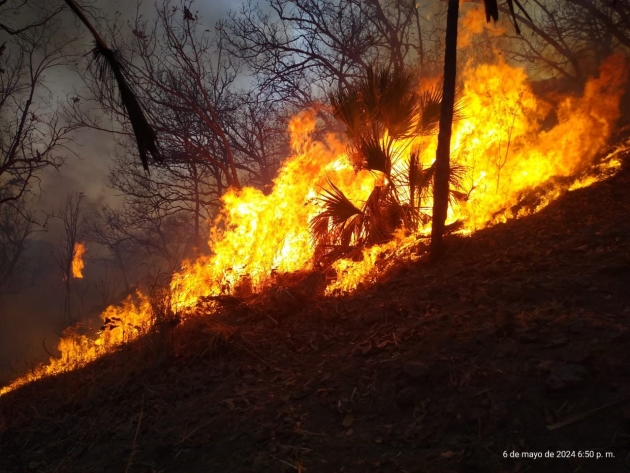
column 518, row 341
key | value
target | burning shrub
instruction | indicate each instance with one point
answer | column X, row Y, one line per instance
column 383, row 115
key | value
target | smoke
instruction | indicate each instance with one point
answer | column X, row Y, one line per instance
column 34, row 314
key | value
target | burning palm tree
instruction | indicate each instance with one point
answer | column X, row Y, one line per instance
column 379, row 111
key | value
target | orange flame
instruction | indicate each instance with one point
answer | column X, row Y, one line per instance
column 473, row 22
column 77, row 260
column 501, row 140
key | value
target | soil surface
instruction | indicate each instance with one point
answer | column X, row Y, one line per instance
column 510, row 355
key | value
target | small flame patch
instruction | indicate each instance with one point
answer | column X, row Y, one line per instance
column 77, row 260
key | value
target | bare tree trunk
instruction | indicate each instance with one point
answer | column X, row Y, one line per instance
column 442, row 158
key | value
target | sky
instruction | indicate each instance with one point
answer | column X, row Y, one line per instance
column 88, row 171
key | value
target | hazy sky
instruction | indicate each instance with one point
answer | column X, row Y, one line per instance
column 88, row 173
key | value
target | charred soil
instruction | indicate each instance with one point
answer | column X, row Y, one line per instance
column 516, row 344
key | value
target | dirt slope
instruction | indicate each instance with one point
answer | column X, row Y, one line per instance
column 523, row 327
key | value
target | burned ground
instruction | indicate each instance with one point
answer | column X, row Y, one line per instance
column 518, row 341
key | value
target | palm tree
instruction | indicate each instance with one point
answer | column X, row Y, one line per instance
column 110, row 67
column 378, row 110
column 442, row 157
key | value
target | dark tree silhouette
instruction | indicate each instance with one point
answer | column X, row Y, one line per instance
column 111, row 66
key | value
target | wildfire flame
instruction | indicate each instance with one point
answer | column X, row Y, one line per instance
column 501, row 140
column 77, row 260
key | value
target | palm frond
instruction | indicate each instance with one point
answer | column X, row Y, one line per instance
column 370, row 88
column 339, row 221
column 418, row 180
column 374, row 225
column 430, row 109
column 382, row 97
column 430, row 106
column 348, row 107
column 456, row 175
column 425, row 182
column 320, row 229
column 400, row 117
column 376, row 155
column 413, row 174
column 351, row 229
column 422, row 179
column 336, row 205
column 398, row 107
column 112, row 69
